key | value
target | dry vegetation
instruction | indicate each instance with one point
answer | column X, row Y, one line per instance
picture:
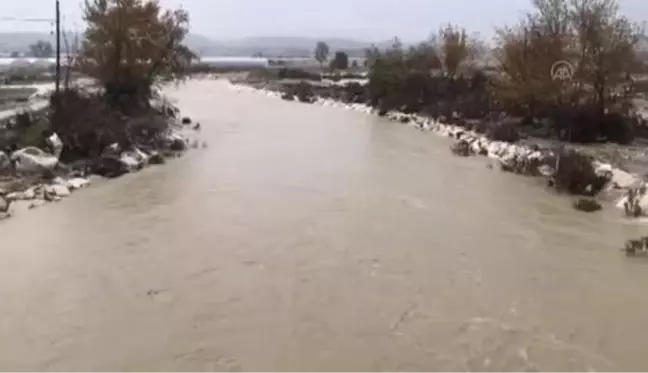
column 590, row 34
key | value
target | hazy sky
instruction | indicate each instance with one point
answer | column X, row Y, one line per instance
column 360, row 19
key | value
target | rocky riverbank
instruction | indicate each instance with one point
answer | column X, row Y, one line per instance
column 526, row 157
column 33, row 176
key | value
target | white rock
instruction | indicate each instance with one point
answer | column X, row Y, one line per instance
column 55, row 142
column 129, row 160
column 78, row 182
column 32, row 159
column 37, row 203
column 535, row 155
column 494, row 149
column 624, row 179
column 140, row 155
column 30, row 193
column 5, row 161
column 58, row 190
column 24, row 195
column 475, row 147
column 111, row 149
column 600, row 167
column 546, row 170
column 4, row 205
column 60, row 181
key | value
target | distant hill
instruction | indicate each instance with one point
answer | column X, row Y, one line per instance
column 275, row 46
column 20, row 41
column 204, row 46
column 270, row 46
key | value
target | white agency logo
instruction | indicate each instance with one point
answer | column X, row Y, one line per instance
column 562, row 70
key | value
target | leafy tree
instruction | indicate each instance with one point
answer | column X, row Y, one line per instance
column 597, row 41
column 321, row 52
column 340, row 61
column 525, row 54
column 41, row 49
column 590, row 34
column 130, row 45
column 394, row 80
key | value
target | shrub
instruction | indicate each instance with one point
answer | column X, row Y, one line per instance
column 505, row 130
column 287, row 73
column 304, row 92
column 575, row 174
column 461, row 148
column 587, row 205
column 619, row 128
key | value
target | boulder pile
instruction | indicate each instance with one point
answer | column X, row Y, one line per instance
column 38, row 176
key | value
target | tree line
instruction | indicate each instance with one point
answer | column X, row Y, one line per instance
column 453, row 73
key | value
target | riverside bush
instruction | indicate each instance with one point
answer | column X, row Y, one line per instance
column 505, row 130
column 575, row 174
column 587, row 205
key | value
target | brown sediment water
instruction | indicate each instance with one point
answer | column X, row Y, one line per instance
column 314, row 238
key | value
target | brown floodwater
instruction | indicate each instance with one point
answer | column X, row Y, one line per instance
column 314, row 238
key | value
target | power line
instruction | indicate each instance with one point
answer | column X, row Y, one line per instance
column 16, row 19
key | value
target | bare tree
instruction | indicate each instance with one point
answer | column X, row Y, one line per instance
column 454, row 47
column 321, row 52
column 41, row 49
column 525, row 54
column 607, row 45
column 70, row 51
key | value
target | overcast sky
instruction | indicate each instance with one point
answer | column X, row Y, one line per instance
column 372, row 20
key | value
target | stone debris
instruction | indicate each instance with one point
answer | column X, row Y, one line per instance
column 57, row 190
column 36, row 176
column 33, row 159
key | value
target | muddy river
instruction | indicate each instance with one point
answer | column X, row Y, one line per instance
column 313, row 238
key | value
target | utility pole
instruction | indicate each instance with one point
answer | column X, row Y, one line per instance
column 58, row 48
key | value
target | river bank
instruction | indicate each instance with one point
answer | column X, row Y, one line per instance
column 533, row 157
column 32, row 176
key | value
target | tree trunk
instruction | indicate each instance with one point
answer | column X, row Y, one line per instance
column 600, row 99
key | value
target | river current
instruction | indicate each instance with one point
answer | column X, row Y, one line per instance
column 314, row 238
